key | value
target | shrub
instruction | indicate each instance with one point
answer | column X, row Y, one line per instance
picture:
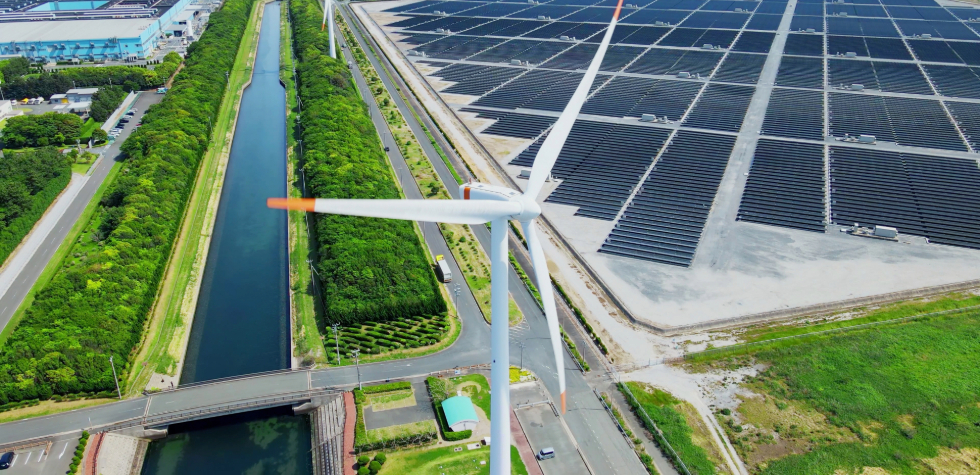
column 94, row 309
column 374, row 466
column 381, row 458
column 383, row 388
column 363, row 460
column 363, row 471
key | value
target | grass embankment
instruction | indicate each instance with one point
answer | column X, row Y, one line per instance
column 768, row 337
column 638, row 447
column 462, row 243
column 902, row 398
column 453, row 460
column 680, row 425
column 162, row 349
column 307, row 337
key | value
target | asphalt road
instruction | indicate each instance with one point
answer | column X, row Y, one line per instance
column 13, row 297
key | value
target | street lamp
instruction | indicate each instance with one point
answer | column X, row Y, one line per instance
column 522, row 357
column 357, row 364
column 456, row 296
column 337, row 341
column 114, row 378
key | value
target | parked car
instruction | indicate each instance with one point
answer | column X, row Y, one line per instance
column 546, row 453
column 6, row 460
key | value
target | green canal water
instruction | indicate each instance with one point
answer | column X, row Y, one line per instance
column 241, row 324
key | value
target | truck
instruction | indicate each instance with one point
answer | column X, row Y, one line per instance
column 442, row 270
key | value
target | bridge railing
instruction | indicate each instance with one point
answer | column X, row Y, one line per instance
column 231, row 378
column 179, row 415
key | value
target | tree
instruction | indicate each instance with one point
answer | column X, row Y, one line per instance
column 99, row 135
column 374, row 467
column 381, row 458
column 105, row 102
column 14, row 68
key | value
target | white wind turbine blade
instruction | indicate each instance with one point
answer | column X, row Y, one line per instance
column 436, row 211
column 548, row 153
column 543, row 281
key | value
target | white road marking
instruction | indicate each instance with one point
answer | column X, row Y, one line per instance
column 15, row 460
column 28, row 458
column 63, row 449
column 39, row 456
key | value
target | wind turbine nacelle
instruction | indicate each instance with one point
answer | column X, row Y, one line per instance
column 482, row 191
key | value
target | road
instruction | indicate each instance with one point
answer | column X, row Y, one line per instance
column 24, row 280
column 596, row 433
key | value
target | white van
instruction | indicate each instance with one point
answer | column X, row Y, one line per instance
column 546, row 453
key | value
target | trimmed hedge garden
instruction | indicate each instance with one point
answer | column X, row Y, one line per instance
column 378, row 337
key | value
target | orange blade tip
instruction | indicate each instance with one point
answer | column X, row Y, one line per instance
column 303, row 204
column 562, row 403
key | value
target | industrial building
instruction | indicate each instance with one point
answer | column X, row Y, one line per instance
column 88, row 30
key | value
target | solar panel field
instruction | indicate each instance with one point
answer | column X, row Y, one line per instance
column 728, row 112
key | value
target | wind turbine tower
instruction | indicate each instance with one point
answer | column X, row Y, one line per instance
column 328, row 15
column 479, row 204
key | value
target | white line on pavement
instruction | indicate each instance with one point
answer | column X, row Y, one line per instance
column 63, row 449
column 39, row 456
column 15, row 460
column 28, row 458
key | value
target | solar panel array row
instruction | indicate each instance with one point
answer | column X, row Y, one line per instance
column 511, row 124
column 785, row 186
column 794, row 113
column 626, row 96
column 921, row 195
column 538, row 89
column 600, row 165
column 910, row 122
column 720, row 107
column 663, row 222
column 475, row 80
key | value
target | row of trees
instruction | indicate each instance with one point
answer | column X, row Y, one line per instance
column 130, row 78
column 41, row 130
column 371, row 269
column 105, row 102
column 13, row 68
column 96, row 304
column 29, row 182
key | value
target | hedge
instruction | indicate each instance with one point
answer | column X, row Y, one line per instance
column 383, row 388
column 130, row 78
column 30, row 182
column 96, row 303
column 371, row 269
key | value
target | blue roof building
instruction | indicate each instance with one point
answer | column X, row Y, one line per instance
column 460, row 414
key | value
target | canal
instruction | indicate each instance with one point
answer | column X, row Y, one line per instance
column 241, row 324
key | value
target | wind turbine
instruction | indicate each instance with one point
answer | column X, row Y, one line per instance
column 328, row 14
column 480, row 204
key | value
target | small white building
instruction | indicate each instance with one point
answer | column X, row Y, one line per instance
column 81, row 94
column 460, row 414
column 58, row 99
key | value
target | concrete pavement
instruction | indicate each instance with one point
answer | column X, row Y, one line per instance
column 44, row 244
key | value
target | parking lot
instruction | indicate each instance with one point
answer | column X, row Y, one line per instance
column 37, row 460
column 544, row 429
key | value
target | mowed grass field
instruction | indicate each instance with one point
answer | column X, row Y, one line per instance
column 447, row 461
column 909, row 392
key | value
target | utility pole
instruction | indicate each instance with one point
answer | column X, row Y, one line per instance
column 337, row 341
column 114, row 378
column 226, row 76
column 357, row 364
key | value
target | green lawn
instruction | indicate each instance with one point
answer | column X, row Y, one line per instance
column 445, row 461
column 477, row 388
column 907, row 391
column 86, row 131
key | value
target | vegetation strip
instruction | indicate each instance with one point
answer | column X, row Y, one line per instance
column 669, row 429
column 371, row 269
column 644, row 457
column 31, row 181
column 901, row 398
column 96, row 304
column 19, row 81
column 307, row 338
column 165, row 341
column 817, row 333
